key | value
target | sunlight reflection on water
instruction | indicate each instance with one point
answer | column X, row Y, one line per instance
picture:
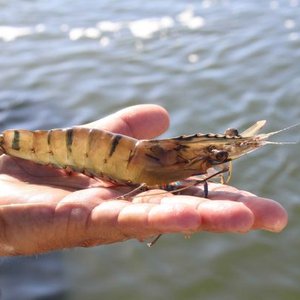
column 141, row 28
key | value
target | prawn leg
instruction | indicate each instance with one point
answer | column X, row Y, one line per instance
column 194, row 183
column 150, row 244
column 141, row 188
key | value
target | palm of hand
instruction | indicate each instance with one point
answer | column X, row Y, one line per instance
column 42, row 208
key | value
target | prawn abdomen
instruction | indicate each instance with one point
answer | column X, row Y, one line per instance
column 92, row 151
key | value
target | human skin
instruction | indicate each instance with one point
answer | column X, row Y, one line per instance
column 44, row 209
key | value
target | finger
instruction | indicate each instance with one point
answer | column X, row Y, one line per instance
column 230, row 211
column 216, row 216
column 142, row 220
column 102, row 222
column 269, row 214
column 140, row 121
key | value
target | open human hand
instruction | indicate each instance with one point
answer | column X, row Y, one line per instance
column 44, row 209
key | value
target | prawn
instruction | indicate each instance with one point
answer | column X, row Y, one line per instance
column 125, row 160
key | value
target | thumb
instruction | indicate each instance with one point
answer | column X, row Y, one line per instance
column 143, row 121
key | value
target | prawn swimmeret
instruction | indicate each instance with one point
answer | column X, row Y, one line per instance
column 120, row 159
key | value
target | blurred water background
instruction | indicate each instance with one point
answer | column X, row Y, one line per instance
column 212, row 65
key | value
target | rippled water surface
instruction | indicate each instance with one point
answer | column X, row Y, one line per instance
column 212, row 65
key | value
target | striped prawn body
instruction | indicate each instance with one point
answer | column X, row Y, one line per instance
column 121, row 159
column 108, row 156
column 91, row 151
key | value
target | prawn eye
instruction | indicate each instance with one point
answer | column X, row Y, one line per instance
column 221, row 156
column 231, row 132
